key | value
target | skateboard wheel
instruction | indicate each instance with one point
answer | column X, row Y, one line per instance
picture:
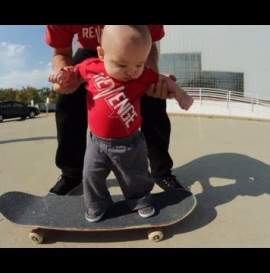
column 36, row 236
column 155, row 236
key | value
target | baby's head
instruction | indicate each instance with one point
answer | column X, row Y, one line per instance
column 124, row 50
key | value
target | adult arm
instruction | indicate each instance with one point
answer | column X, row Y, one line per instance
column 153, row 57
column 62, row 57
column 160, row 89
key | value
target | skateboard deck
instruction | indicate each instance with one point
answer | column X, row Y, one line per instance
column 68, row 213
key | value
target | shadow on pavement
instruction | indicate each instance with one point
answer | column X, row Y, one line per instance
column 26, row 139
column 245, row 176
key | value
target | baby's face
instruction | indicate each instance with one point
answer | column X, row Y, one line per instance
column 126, row 62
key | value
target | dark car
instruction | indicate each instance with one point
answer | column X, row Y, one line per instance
column 15, row 109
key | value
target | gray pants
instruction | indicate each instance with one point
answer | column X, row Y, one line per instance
column 127, row 158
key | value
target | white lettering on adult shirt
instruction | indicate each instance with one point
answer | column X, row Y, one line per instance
column 118, row 102
column 93, row 32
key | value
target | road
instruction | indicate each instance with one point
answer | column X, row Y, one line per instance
column 225, row 162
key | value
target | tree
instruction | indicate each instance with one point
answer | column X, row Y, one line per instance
column 7, row 94
column 45, row 93
column 26, row 94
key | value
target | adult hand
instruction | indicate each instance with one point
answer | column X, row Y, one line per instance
column 160, row 89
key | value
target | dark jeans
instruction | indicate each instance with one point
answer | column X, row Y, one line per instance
column 71, row 124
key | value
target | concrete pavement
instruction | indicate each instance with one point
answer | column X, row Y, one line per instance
column 225, row 162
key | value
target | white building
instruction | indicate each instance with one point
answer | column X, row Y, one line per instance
column 236, row 49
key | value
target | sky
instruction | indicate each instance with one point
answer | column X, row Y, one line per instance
column 25, row 58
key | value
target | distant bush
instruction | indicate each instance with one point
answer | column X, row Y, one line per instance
column 27, row 94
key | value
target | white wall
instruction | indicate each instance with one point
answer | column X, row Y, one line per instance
column 232, row 48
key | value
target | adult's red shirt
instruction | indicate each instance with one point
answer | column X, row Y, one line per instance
column 113, row 106
column 88, row 36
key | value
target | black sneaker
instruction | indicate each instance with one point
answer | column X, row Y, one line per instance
column 65, row 185
column 168, row 183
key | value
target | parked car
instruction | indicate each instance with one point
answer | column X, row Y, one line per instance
column 14, row 109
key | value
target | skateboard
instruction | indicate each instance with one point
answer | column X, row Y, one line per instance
column 68, row 213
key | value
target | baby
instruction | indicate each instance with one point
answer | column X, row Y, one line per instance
column 115, row 82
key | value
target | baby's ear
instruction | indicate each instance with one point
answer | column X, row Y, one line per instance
column 100, row 52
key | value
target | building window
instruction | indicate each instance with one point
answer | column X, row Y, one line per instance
column 187, row 69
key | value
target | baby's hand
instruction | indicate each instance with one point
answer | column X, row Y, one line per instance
column 185, row 102
column 62, row 76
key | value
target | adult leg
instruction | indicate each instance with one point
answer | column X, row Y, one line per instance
column 156, row 127
column 71, row 124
